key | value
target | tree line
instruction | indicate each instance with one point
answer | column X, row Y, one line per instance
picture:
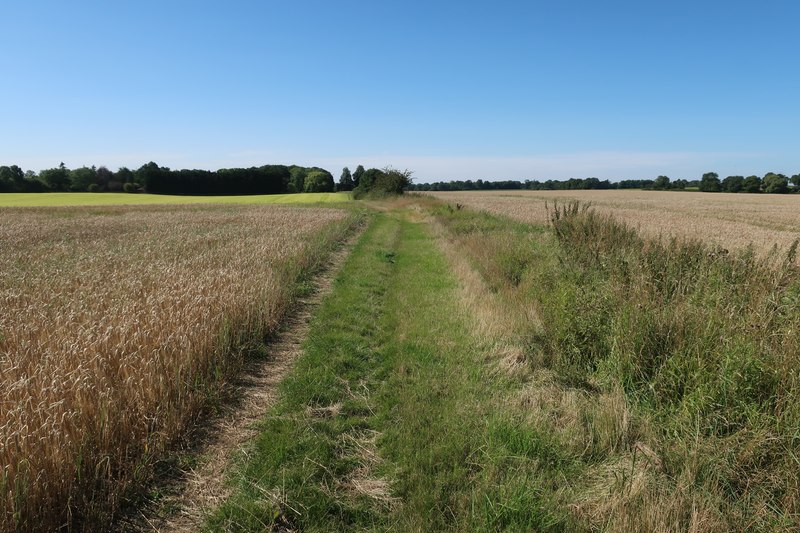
column 152, row 178
column 771, row 182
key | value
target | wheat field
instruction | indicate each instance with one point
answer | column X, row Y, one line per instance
column 116, row 325
column 729, row 220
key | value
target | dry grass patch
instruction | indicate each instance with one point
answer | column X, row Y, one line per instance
column 117, row 326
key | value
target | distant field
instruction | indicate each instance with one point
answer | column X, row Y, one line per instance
column 731, row 220
column 111, row 198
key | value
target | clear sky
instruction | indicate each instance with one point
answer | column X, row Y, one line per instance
column 451, row 90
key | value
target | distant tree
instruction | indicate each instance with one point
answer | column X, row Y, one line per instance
column 124, row 175
column 56, row 179
column 795, row 180
column 357, row 175
column 388, row 181
column 297, row 179
column 391, row 181
column 153, row 178
column 81, row 178
column 103, row 178
column 733, row 184
column 345, row 180
column 776, row 183
column 661, row 183
column 710, row 182
column 680, row 184
column 12, row 178
column 319, row 181
column 752, row 184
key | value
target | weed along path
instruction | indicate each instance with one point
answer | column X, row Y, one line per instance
column 392, row 417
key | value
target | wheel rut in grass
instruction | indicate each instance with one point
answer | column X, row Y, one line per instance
column 393, row 419
column 186, row 503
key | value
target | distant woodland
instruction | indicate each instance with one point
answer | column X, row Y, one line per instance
column 709, row 182
column 282, row 179
column 155, row 179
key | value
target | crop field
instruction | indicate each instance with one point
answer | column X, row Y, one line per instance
column 493, row 367
column 729, row 220
column 110, row 198
column 117, row 327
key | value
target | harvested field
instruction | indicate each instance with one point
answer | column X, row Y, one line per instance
column 730, row 220
column 117, row 326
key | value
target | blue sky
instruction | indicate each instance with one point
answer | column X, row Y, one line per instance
column 451, row 90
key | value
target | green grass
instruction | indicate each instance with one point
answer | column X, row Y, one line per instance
column 110, row 198
column 394, row 393
column 695, row 346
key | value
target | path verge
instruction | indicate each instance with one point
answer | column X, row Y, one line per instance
column 184, row 497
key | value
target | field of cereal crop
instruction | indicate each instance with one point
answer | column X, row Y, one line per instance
column 117, row 325
column 729, row 220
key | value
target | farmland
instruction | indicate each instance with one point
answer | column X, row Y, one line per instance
column 88, row 199
column 729, row 220
column 478, row 364
column 118, row 327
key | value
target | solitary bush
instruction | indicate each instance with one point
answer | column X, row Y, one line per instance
column 131, row 187
column 380, row 183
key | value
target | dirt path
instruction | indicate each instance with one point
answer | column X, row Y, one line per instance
column 201, row 490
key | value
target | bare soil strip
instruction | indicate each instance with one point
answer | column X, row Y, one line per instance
column 201, row 490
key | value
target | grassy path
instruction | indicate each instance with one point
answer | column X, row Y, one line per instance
column 392, row 418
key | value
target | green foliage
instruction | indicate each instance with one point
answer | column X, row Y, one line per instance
column 733, row 184
column 56, row 179
column 12, row 179
column 125, row 175
column 318, row 181
column 751, row 184
column 81, row 178
column 357, row 176
column 297, row 180
column 776, row 183
column 346, row 182
column 377, row 183
column 151, row 176
column 661, row 183
column 710, row 182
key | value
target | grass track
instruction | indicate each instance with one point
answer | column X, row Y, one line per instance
column 109, row 198
column 391, row 420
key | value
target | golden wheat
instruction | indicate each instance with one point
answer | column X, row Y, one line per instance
column 729, row 220
column 114, row 325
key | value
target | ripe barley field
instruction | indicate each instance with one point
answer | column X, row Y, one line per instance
column 117, row 327
column 729, row 220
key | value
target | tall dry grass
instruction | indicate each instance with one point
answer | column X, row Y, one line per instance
column 665, row 368
column 117, row 327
